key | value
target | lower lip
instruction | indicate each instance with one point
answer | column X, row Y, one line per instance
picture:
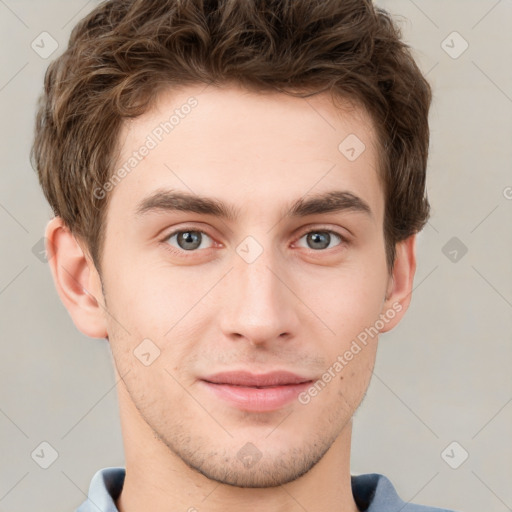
column 257, row 399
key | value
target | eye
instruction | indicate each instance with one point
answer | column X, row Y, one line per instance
column 187, row 240
column 319, row 239
column 190, row 240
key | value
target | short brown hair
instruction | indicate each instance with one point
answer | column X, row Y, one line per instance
column 125, row 51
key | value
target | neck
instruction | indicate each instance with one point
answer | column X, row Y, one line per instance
column 158, row 480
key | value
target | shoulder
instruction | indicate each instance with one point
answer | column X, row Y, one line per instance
column 105, row 487
column 374, row 492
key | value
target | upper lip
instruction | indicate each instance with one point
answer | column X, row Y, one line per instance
column 243, row 378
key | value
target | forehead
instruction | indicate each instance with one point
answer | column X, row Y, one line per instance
column 247, row 149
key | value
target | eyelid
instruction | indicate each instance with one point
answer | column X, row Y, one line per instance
column 184, row 229
column 322, row 228
column 303, row 231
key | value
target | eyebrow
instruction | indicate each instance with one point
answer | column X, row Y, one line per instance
column 171, row 200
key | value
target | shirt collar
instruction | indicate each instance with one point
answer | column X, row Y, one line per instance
column 372, row 492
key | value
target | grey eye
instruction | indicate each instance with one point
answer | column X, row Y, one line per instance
column 188, row 240
column 319, row 240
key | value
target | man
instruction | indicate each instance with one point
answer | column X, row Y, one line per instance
column 237, row 189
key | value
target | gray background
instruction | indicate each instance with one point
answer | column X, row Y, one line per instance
column 442, row 375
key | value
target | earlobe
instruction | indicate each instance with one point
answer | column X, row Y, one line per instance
column 76, row 279
column 399, row 289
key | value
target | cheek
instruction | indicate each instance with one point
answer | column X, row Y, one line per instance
column 154, row 310
column 347, row 300
column 151, row 298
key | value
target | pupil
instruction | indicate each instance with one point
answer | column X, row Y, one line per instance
column 317, row 238
column 190, row 237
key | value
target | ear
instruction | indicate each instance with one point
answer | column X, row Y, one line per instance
column 399, row 289
column 76, row 279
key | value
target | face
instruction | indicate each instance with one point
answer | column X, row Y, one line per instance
column 272, row 285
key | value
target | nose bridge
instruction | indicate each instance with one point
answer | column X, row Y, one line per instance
column 255, row 274
column 257, row 305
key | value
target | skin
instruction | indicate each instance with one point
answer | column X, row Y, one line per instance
column 295, row 307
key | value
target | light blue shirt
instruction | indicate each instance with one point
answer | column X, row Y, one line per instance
column 372, row 493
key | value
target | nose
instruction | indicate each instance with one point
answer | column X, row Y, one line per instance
column 258, row 304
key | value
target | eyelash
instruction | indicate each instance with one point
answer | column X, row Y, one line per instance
column 183, row 253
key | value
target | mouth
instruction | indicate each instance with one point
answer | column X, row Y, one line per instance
column 262, row 380
column 256, row 392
